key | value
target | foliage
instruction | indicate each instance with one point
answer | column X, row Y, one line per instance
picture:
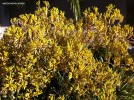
column 46, row 56
column 75, row 6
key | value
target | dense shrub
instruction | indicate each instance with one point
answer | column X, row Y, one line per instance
column 46, row 56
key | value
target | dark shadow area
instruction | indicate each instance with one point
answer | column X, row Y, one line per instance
column 13, row 8
column 130, row 12
column 10, row 11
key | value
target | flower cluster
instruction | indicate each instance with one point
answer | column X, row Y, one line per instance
column 46, row 56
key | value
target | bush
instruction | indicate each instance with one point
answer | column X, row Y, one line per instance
column 46, row 56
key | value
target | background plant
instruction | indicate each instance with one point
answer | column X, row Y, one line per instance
column 75, row 6
column 46, row 56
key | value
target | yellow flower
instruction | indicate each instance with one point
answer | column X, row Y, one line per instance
column 51, row 97
column 70, row 75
